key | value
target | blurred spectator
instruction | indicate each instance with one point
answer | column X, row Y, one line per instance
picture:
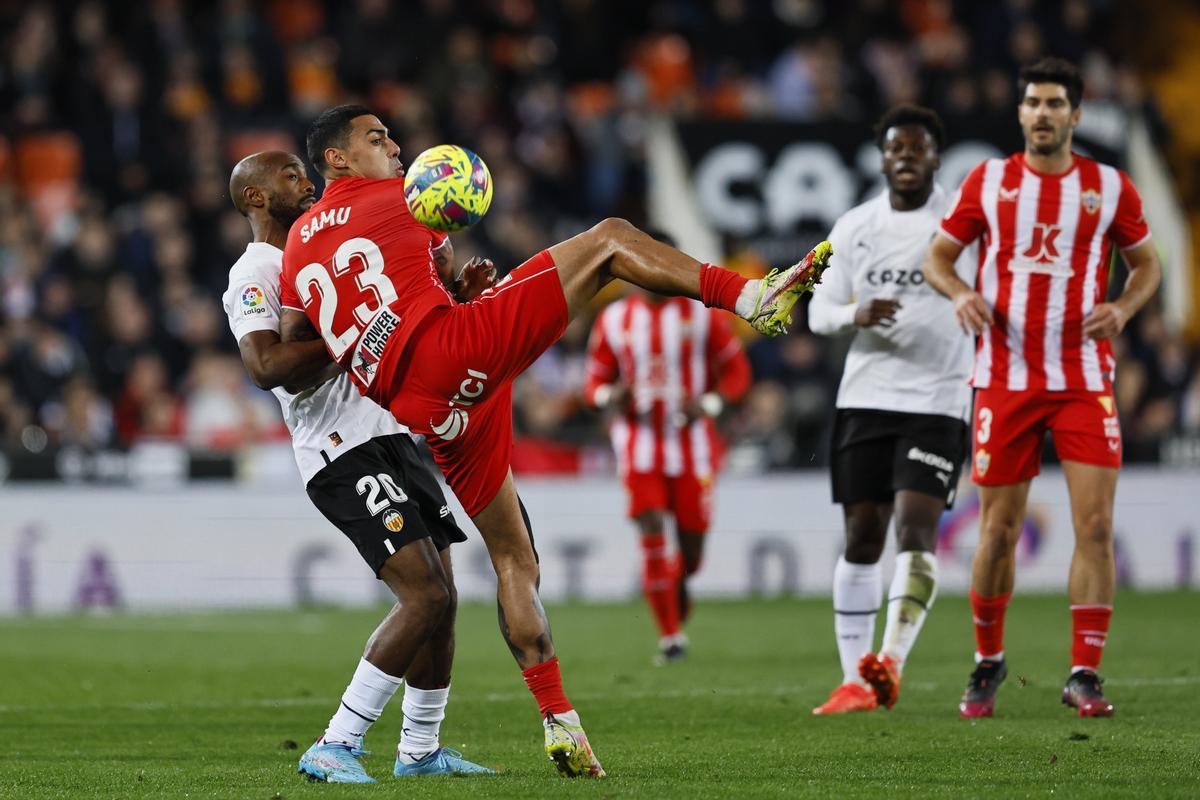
column 121, row 122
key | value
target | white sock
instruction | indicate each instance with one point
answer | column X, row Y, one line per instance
column 424, row 710
column 568, row 718
column 914, row 587
column 856, row 592
column 747, row 299
column 362, row 703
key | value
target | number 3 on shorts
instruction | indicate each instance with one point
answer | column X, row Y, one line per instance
column 984, row 431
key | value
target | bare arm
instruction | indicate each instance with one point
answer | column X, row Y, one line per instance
column 970, row 308
column 271, row 362
column 1145, row 273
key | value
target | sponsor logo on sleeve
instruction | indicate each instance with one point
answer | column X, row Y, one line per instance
column 370, row 347
column 253, row 301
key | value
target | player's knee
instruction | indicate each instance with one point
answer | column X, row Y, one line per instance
column 1094, row 529
column 433, row 597
column 1000, row 528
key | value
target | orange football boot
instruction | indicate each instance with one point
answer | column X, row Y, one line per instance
column 847, row 698
column 883, row 675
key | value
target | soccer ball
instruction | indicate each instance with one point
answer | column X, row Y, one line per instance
column 448, row 188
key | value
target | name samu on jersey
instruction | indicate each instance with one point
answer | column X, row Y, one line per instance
column 327, row 218
column 1043, row 267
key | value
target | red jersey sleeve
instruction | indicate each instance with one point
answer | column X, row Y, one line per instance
column 602, row 366
column 1129, row 228
column 965, row 221
column 728, row 367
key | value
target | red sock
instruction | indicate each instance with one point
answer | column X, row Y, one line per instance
column 720, row 287
column 545, row 681
column 660, row 584
column 989, row 623
column 1089, row 631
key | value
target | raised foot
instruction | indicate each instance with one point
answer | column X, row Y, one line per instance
column 780, row 289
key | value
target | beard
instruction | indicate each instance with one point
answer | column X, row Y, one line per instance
column 1051, row 147
column 284, row 215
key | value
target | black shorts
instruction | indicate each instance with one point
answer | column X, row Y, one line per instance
column 382, row 495
column 878, row 453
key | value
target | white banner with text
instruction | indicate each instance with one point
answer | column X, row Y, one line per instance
column 65, row 548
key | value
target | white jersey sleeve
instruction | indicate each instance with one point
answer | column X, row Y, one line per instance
column 252, row 299
column 832, row 308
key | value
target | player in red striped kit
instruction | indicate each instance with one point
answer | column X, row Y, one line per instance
column 359, row 271
column 1048, row 219
column 666, row 367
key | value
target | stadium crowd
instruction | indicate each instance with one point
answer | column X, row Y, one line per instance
column 121, row 121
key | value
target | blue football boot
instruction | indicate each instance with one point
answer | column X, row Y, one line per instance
column 334, row 763
column 442, row 761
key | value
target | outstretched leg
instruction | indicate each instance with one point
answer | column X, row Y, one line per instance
column 526, row 630
column 616, row 249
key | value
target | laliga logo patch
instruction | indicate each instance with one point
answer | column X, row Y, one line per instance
column 393, row 521
column 983, row 460
column 456, row 421
column 252, row 301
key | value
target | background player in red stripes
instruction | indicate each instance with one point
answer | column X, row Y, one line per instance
column 1048, row 219
column 666, row 367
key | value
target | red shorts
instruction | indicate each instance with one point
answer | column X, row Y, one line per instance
column 453, row 381
column 687, row 497
column 1010, row 428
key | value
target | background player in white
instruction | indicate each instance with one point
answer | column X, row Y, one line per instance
column 1049, row 219
column 364, row 472
column 899, row 435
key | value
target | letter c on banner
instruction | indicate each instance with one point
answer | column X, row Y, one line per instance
column 716, row 175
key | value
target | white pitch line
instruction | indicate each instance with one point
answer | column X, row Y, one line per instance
column 508, row 697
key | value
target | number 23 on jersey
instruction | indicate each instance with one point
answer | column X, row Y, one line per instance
column 314, row 282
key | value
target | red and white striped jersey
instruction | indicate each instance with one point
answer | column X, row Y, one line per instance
column 1043, row 266
column 667, row 353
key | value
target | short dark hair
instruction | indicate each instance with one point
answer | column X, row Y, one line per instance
column 1053, row 70
column 910, row 114
column 330, row 129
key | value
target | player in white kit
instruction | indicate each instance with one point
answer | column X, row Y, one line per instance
column 900, row 430
column 364, row 473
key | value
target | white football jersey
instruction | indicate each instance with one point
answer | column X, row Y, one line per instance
column 327, row 421
column 921, row 364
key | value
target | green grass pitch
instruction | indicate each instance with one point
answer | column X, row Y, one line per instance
column 215, row 705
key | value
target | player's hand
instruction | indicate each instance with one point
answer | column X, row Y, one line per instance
column 476, row 277
column 973, row 312
column 1105, row 321
column 621, row 397
column 880, row 311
